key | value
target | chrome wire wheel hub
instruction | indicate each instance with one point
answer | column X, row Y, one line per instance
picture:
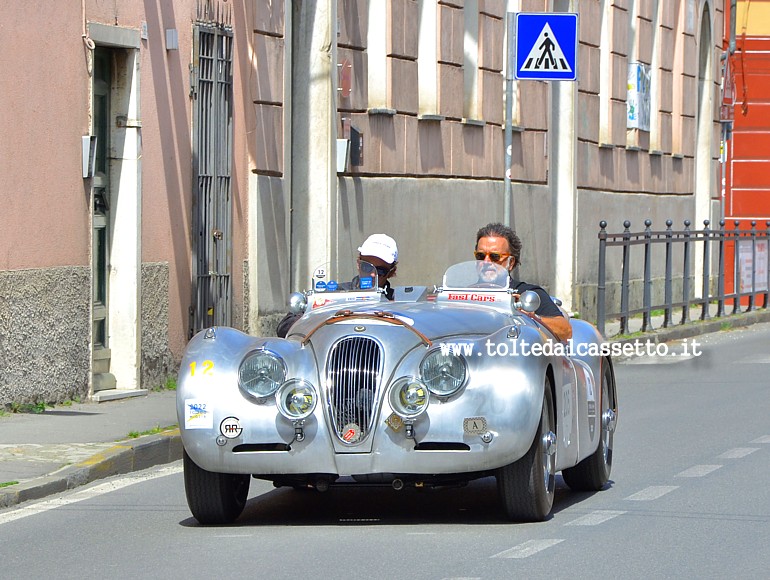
column 609, row 420
column 548, row 445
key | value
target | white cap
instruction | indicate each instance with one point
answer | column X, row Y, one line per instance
column 382, row 246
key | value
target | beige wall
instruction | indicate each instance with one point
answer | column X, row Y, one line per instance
column 42, row 74
column 45, row 234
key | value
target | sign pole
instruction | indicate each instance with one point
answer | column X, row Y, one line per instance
column 510, row 66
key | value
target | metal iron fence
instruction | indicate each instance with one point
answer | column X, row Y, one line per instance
column 750, row 272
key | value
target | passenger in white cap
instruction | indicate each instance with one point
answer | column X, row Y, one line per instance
column 380, row 246
column 380, row 251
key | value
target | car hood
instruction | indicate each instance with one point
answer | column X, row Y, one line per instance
column 429, row 318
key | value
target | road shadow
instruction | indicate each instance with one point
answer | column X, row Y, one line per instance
column 474, row 504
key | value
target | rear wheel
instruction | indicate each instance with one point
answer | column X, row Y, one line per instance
column 214, row 498
column 593, row 472
column 526, row 487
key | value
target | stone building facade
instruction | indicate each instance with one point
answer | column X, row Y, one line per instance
column 249, row 141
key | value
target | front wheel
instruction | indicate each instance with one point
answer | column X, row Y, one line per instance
column 526, row 487
column 593, row 472
column 214, row 498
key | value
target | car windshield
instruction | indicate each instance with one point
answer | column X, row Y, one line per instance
column 361, row 276
column 476, row 274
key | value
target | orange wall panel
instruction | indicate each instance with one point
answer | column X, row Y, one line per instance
column 750, row 203
column 755, row 145
column 753, row 174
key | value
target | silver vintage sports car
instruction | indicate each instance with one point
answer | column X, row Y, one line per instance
column 430, row 389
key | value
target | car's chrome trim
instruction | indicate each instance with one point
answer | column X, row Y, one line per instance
column 353, row 371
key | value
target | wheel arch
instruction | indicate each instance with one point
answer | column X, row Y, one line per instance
column 551, row 379
column 612, row 386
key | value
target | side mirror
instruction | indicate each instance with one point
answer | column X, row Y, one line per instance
column 297, row 303
column 529, row 301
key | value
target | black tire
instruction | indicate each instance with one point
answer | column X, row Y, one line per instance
column 214, row 498
column 526, row 487
column 593, row 473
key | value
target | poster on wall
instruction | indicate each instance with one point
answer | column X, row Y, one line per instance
column 638, row 101
column 748, row 265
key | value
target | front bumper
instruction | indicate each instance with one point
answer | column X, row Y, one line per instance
column 485, row 428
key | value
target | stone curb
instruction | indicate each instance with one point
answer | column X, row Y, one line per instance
column 123, row 457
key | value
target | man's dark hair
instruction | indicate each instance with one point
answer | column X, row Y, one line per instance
column 498, row 230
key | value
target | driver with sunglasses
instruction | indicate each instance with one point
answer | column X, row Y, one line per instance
column 380, row 251
column 499, row 244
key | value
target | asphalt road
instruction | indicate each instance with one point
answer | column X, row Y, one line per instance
column 689, row 498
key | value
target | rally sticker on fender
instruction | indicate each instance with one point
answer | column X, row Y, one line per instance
column 231, row 427
column 197, row 415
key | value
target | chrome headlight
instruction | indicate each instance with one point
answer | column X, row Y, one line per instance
column 443, row 374
column 261, row 373
column 296, row 399
column 408, row 397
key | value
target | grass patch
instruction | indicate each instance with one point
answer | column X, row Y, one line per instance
column 726, row 326
column 656, row 312
column 154, row 431
column 8, row 483
column 70, row 402
column 637, row 334
column 169, row 385
column 34, row 408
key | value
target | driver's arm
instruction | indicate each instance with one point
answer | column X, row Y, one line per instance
column 558, row 325
column 552, row 318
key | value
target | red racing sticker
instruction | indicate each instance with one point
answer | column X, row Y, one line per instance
column 351, row 433
column 472, row 297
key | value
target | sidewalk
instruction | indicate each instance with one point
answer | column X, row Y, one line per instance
column 68, row 446
column 65, row 447
column 677, row 331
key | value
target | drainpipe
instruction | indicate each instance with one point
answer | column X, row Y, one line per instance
column 733, row 10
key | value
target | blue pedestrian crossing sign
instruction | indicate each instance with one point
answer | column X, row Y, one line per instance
column 546, row 46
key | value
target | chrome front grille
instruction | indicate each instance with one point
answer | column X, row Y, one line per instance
column 352, row 376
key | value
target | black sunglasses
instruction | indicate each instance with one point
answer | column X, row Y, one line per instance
column 381, row 270
column 496, row 257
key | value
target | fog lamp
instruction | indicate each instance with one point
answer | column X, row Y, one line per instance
column 296, row 399
column 409, row 397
